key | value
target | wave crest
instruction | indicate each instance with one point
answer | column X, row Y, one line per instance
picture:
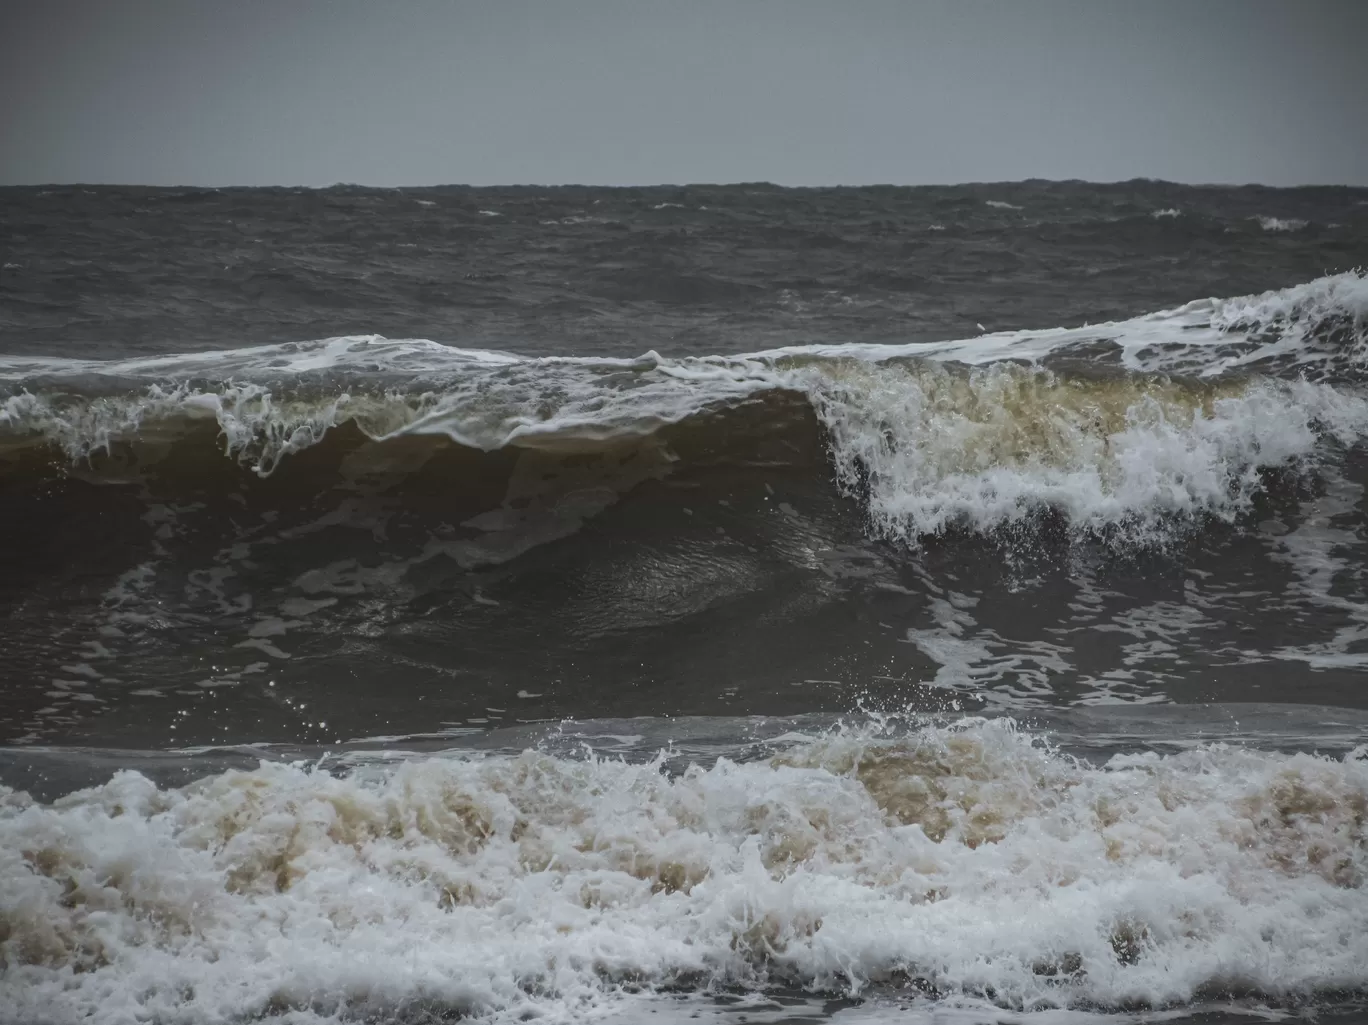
column 933, row 449
column 978, row 433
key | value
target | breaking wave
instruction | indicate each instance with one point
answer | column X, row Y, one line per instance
column 968, row 861
column 1280, row 223
column 1173, row 414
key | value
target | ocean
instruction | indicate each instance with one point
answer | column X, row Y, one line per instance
column 714, row 603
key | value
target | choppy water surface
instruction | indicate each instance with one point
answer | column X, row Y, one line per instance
column 727, row 602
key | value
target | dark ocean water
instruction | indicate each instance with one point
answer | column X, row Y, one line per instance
column 940, row 604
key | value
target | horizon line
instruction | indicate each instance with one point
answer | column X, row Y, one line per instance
column 758, row 183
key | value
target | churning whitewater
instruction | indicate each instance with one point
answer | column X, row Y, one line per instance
column 968, row 861
column 724, row 604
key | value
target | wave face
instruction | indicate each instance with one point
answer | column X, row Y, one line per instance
column 966, row 861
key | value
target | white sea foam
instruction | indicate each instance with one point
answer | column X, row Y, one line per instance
column 1172, row 211
column 1195, row 338
column 1279, row 223
column 934, row 450
column 970, row 858
column 999, row 204
column 1174, row 339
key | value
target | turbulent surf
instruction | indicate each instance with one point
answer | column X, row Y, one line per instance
column 746, row 604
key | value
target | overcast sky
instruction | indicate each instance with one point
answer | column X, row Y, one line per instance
column 403, row 92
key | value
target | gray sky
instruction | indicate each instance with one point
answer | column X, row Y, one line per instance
column 393, row 92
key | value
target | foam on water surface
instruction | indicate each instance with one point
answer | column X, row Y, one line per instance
column 968, row 861
column 1280, row 223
